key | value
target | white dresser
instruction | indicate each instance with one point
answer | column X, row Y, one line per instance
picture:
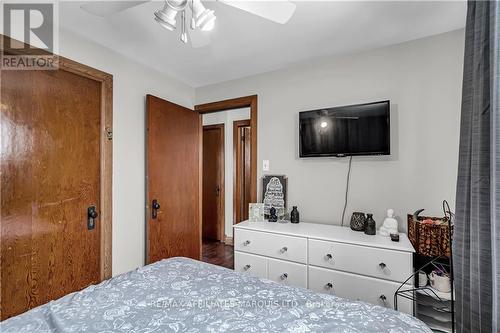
column 327, row 259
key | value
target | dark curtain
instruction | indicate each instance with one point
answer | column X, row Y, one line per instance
column 476, row 245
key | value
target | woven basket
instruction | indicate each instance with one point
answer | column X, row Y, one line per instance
column 430, row 240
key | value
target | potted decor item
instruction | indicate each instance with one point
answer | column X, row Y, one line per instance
column 294, row 215
column 358, row 221
column 370, row 226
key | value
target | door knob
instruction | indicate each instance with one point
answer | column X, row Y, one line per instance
column 329, row 286
column 154, row 209
column 284, row 276
column 91, row 217
column 217, row 190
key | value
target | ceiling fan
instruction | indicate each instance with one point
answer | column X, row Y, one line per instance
column 202, row 18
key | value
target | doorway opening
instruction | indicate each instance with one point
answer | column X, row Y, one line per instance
column 213, row 183
column 227, row 179
column 174, row 155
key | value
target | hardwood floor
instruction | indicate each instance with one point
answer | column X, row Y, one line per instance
column 218, row 253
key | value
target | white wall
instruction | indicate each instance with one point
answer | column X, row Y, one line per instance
column 131, row 83
column 227, row 118
column 422, row 79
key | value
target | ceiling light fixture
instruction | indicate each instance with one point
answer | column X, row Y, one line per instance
column 201, row 17
column 279, row 11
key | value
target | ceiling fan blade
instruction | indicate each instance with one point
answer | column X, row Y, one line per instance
column 277, row 11
column 107, row 8
column 198, row 38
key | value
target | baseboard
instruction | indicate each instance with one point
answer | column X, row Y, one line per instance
column 228, row 240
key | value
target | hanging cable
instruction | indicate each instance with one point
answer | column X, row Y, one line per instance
column 347, row 189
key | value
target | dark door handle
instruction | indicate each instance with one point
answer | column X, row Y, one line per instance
column 217, row 191
column 91, row 217
column 154, row 209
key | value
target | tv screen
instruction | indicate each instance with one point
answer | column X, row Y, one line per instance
column 362, row 129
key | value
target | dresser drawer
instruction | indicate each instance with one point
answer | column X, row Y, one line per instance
column 271, row 245
column 288, row 273
column 380, row 263
column 250, row 264
column 356, row 287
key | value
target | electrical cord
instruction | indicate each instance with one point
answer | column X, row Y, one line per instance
column 347, row 189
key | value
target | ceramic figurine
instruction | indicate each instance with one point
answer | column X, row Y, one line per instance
column 390, row 225
column 272, row 215
column 370, row 226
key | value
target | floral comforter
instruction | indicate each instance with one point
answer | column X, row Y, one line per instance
column 185, row 295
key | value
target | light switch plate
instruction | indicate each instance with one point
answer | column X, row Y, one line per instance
column 265, row 165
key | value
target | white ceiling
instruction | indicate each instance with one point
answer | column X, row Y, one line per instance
column 243, row 44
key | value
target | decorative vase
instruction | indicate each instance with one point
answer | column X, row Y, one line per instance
column 370, row 226
column 272, row 215
column 294, row 215
column 358, row 221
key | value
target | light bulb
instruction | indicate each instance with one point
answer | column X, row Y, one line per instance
column 205, row 18
column 323, row 124
column 209, row 25
column 166, row 17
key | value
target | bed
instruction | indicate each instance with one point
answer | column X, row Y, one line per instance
column 185, row 295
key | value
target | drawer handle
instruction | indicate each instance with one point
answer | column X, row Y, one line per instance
column 328, row 256
column 384, row 268
column 284, row 249
column 246, row 243
column 383, row 299
column 246, row 267
column 329, row 286
column 284, row 276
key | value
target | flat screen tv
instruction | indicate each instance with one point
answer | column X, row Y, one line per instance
column 362, row 129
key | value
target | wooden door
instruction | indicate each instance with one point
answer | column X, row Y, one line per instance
column 242, row 169
column 55, row 162
column 213, row 182
column 173, row 181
